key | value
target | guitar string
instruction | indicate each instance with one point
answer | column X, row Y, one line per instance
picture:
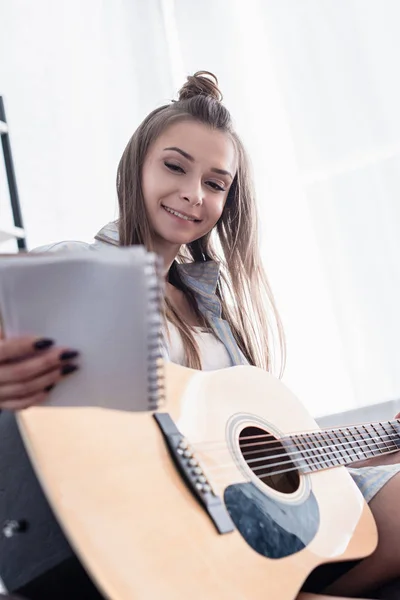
column 321, row 458
column 356, row 443
column 285, row 446
column 320, row 450
column 281, row 471
column 320, row 447
column 218, row 477
column 302, row 437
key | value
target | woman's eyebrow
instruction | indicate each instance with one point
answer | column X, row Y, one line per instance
column 190, row 157
column 221, row 172
column 185, row 154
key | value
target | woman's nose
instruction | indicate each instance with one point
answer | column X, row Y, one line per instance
column 193, row 194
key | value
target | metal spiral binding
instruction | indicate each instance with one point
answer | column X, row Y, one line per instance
column 155, row 372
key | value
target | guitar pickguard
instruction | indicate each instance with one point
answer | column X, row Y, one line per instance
column 272, row 528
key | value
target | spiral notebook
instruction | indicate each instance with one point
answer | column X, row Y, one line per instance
column 107, row 305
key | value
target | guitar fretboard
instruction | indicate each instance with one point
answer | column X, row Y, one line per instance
column 329, row 448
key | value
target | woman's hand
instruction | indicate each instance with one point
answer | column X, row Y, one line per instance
column 30, row 368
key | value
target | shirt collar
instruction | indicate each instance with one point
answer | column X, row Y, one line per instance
column 108, row 234
column 201, row 277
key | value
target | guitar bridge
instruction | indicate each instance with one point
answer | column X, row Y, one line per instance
column 193, row 475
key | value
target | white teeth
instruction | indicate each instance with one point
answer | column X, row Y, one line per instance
column 178, row 214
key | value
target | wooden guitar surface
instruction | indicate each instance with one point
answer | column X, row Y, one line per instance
column 140, row 531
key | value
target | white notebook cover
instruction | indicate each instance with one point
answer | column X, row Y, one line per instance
column 100, row 303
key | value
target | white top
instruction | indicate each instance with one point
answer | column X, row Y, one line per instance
column 213, row 354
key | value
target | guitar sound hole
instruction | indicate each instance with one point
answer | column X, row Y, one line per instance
column 267, row 458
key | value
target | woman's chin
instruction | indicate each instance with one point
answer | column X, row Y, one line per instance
column 178, row 240
column 182, row 242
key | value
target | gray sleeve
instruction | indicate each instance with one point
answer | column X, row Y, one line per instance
column 64, row 247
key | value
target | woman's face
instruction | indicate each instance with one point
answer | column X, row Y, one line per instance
column 186, row 178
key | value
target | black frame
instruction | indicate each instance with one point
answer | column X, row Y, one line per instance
column 11, row 179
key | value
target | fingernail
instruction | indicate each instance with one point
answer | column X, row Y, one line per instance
column 67, row 369
column 68, row 354
column 49, row 387
column 43, row 344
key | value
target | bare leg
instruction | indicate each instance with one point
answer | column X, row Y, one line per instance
column 384, row 564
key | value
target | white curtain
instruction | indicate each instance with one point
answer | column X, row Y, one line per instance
column 77, row 78
column 313, row 88
column 336, row 64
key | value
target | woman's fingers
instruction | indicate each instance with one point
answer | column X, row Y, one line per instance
column 29, row 368
column 33, row 366
column 15, row 404
column 30, row 399
column 38, row 385
column 19, row 347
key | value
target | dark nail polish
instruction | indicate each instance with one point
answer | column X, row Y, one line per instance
column 69, row 354
column 49, row 387
column 67, row 369
column 43, row 344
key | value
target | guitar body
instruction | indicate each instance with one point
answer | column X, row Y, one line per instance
column 139, row 528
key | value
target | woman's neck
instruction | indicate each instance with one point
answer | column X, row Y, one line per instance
column 168, row 252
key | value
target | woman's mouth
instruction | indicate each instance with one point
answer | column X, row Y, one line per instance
column 180, row 215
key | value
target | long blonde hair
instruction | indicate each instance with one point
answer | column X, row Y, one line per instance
column 246, row 298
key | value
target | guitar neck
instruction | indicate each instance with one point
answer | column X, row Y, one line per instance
column 323, row 449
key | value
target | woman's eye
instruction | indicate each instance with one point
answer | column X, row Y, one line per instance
column 175, row 168
column 216, row 186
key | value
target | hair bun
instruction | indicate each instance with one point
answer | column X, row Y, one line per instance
column 202, row 83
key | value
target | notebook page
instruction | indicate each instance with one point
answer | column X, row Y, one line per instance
column 95, row 302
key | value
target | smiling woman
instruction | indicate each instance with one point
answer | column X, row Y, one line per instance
column 185, row 190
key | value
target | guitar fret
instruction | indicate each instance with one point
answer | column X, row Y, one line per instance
column 310, row 453
column 385, row 444
column 388, row 439
column 358, row 448
column 324, row 455
column 334, row 448
column 390, row 445
column 365, row 436
column 341, row 447
column 392, row 434
column 395, row 426
column 347, row 446
column 369, row 446
column 379, row 444
column 320, row 450
column 318, row 453
column 324, row 449
column 330, row 449
column 297, row 442
column 389, row 433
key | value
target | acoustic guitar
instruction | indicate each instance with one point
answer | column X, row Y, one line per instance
column 229, row 492
column 223, row 489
